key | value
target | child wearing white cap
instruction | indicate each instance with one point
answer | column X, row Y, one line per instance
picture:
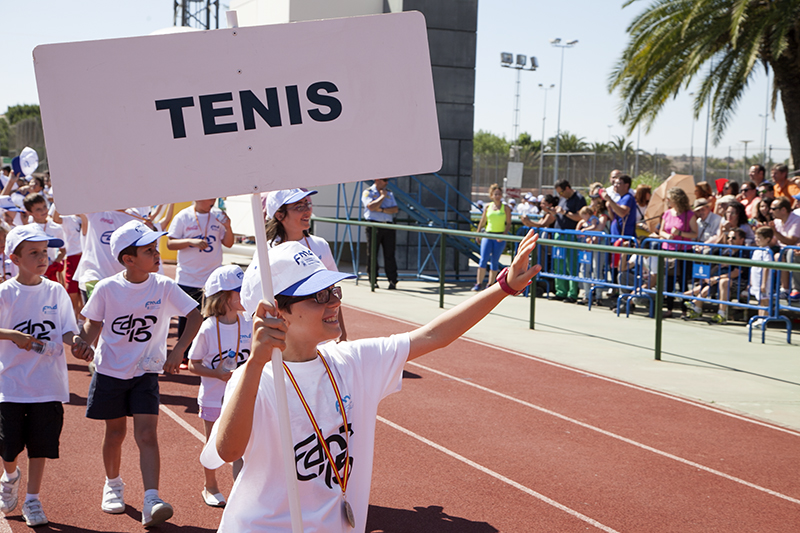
column 34, row 312
column 222, row 344
column 130, row 313
column 333, row 391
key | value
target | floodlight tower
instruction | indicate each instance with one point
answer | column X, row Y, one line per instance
column 507, row 60
column 200, row 14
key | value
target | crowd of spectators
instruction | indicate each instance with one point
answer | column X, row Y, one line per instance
column 759, row 218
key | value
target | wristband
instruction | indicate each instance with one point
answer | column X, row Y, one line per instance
column 501, row 280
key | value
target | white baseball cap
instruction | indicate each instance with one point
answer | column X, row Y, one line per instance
column 276, row 199
column 296, row 271
column 29, row 232
column 224, row 278
column 132, row 233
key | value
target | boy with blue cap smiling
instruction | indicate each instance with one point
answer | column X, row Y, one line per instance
column 333, row 391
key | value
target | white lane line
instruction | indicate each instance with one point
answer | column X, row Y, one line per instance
column 183, row 423
column 600, row 376
column 500, row 477
column 612, row 435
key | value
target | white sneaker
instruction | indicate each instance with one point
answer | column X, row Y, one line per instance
column 33, row 514
column 155, row 511
column 9, row 491
column 113, row 501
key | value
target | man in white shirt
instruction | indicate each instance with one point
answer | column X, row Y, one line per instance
column 787, row 230
column 708, row 222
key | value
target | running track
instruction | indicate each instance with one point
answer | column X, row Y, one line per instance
column 480, row 440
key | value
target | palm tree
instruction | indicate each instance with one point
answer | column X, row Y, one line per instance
column 568, row 143
column 719, row 41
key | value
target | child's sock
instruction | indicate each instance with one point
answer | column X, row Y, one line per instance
column 698, row 308
column 116, row 480
column 151, row 492
column 9, row 477
column 29, row 497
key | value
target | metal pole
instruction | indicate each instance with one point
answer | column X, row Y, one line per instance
column 708, row 124
column 373, row 259
column 691, row 148
column 532, row 295
column 442, row 259
column 638, row 139
column 541, row 148
column 659, row 305
column 558, row 124
column 766, row 121
column 515, row 138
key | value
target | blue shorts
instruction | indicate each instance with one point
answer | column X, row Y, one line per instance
column 491, row 250
column 111, row 398
column 35, row 426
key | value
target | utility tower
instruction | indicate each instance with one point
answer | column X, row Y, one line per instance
column 200, row 14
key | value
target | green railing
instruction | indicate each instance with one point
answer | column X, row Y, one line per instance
column 662, row 256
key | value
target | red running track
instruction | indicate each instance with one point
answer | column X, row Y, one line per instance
column 480, row 440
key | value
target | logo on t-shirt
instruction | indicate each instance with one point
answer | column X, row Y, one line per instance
column 40, row 330
column 152, row 304
column 312, row 461
column 136, row 329
column 105, row 238
column 50, row 309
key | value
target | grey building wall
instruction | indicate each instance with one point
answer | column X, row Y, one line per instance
column 452, row 36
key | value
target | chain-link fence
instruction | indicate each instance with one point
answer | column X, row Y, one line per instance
column 584, row 168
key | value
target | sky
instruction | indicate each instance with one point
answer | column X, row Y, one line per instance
column 517, row 26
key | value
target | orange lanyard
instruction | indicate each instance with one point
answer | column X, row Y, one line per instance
column 318, row 431
column 238, row 338
column 205, row 232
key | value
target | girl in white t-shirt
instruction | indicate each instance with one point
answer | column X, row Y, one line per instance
column 222, row 344
column 288, row 214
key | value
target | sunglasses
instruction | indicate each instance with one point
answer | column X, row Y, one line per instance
column 324, row 296
column 300, row 207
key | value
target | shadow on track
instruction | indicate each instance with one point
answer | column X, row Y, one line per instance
column 421, row 520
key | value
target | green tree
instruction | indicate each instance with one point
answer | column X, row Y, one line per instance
column 5, row 136
column 568, row 143
column 484, row 142
column 721, row 42
column 17, row 113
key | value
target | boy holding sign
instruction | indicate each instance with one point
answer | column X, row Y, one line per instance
column 333, row 393
column 130, row 312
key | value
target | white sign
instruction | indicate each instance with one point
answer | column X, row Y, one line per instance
column 169, row 118
column 514, row 174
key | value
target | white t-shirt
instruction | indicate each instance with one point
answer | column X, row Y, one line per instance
column 44, row 311
column 195, row 265
column 71, row 226
column 251, row 284
column 757, row 274
column 97, row 262
column 790, row 229
column 365, row 371
column 206, row 347
column 135, row 320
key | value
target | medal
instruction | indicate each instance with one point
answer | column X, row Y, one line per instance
column 340, row 479
column 348, row 513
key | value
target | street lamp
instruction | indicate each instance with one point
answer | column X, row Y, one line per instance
column 507, row 61
column 744, row 161
column 541, row 149
column 557, row 43
column 764, row 153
